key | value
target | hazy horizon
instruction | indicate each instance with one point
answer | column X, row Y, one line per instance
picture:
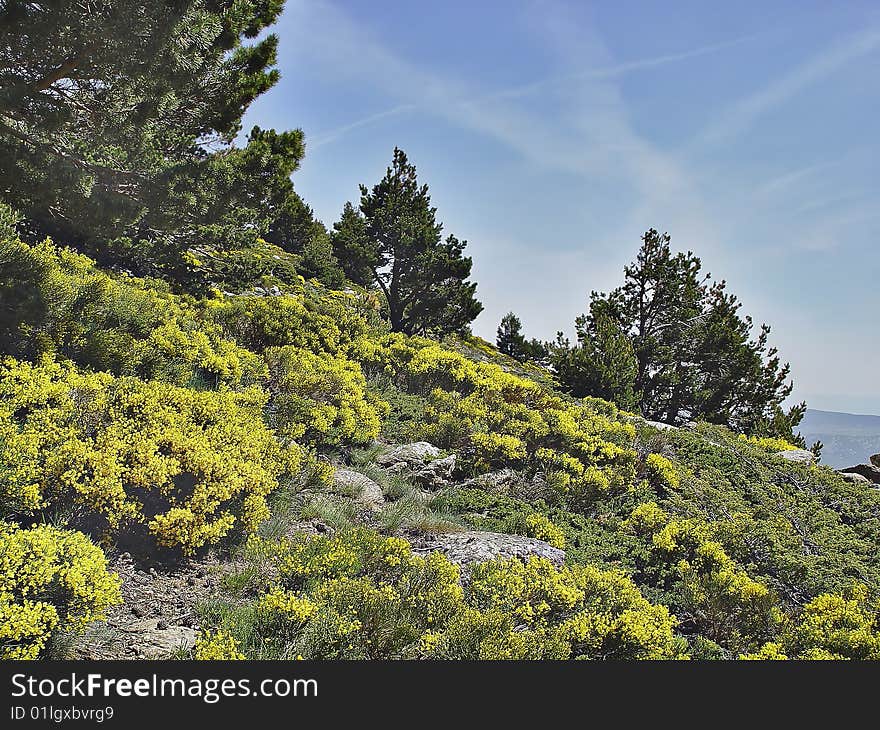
column 553, row 135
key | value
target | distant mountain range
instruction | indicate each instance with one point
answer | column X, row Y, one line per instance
column 849, row 438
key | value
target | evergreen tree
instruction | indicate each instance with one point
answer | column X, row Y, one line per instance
column 296, row 230
column 117, row 122
column 395, row 243
column 694, row 354
column 357, row 255
column 511, row 341
column 602, row 364
column 509, row 338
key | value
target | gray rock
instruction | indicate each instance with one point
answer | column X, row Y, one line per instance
column 465, row 548
column 362, row 488
column 662, row 426
column 435, row 474
column 422, row 462
column 875, row 460
column 413, row 455
column 494, row 481
column 869, row 471
column 856, row 479
column 800, row 456
column 158, row 643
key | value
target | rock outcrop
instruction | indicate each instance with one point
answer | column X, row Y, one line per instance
column 361, row 488
column 856, row 479
column 465, row 548
column 660, row 426
column 421, row 461
column 799, row 456
column 413, row 455
column 868, row 471
column 156, row 639
column 494, row 481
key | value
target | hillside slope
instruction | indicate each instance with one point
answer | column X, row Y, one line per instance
column 333, row 490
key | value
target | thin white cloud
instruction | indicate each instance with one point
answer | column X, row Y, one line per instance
column 597, row 140
column 322, row 138
column 784, row 182
column 834, row 199
column 743, row 115
column 620, row 69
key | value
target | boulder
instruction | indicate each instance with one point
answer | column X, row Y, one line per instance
column 494, row 481
column 408, row 455
column 854, row 478
column 435, row 474
column 422, row 462
column 800, row 456
column 869, row 471
column 362, row 488
column 472, row 546
column 660, row 426
column 875, row 460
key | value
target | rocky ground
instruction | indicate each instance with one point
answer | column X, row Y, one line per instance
column 157, row 618
column 159, row 614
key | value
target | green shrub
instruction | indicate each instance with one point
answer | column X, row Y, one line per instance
column 58, row 303
column 493, row 418
column 308, row 317
column 717, row 596
column 361, row 596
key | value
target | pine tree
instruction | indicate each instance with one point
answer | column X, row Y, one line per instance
column 296, row 230
column 602, row 364
column 357, row 255
column 395, row 243
column 694, row 353
column 509, row 338
column 117, row 123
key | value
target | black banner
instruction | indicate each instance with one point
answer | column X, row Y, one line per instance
column 114, row 694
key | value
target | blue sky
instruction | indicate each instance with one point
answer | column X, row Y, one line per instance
column 553, row 134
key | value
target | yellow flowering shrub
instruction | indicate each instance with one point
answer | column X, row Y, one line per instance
column 493, row 418
column 217, row 646
column 830, row 626
column 320, row 398
column 491, row 635
column 61, row 305
column 353, row 596
column 360, row 595
column 598, row 614
column 771, row 651
column 837, row 627
column 311, row 318
column 718, row 596
column 188, row 465
column 51, row 580
column 660, row 471
column 768, row 444
column 542, row 528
